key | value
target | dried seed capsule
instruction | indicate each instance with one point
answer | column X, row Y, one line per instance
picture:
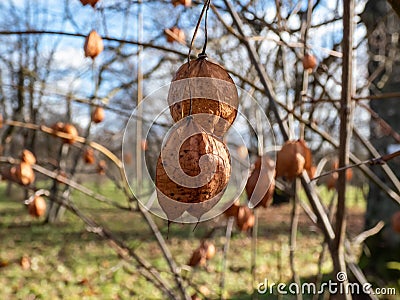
column 37, row 207
column 203, row 87
column 28, row 157
column 292, row 159
column 98, row 115
column 260, row 186
column 192, row 170
column 93, row 44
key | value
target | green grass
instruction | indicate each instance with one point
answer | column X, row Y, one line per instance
column 68, row 262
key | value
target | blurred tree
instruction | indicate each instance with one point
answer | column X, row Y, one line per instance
column 384, row 70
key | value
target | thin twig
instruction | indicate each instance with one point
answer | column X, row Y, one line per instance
column 205, row 8
column 294, row 221
column 62, row 179
column 337, row 247
column 367, row 233
column 372, row 161
column 254, row 240
column 123, row 41
column 228, row 234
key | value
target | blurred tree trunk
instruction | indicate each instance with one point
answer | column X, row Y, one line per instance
column 384, row 70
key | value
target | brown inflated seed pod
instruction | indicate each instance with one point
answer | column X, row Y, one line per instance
column 203, row 87
column 245, row 218
column 37, row 207
column 93, row 45
column 88, row 156
column 72, row 131
column 90, row 2
column 309, row 62
column 28, row 157
column 292, row 159
column 24, row 174
column 98, row 115
column 260, row 185
column 197, row 147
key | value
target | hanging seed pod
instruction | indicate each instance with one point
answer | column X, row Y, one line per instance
column 332, row 178
column 232, row 211
column 59, row 126
column 197, row 172
column 1, row 120
column 212, row 92
column 292, row 159
column 72, row 131
column 260, row 186
column 396, row 222
column 175, row 34
column 88, row 156
column 190, row 154
column 66, row 128
column 102, row 167
column 90, row 2
column 209, row 249
column 93, row 44
column 37, row 207
column 24, row 173
column 309, row 62
column 198, row 258
column 245, row 218
column 28, row 157
column 98, row 115
column 173, row 209
column 186, row 3
column 197, row 210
